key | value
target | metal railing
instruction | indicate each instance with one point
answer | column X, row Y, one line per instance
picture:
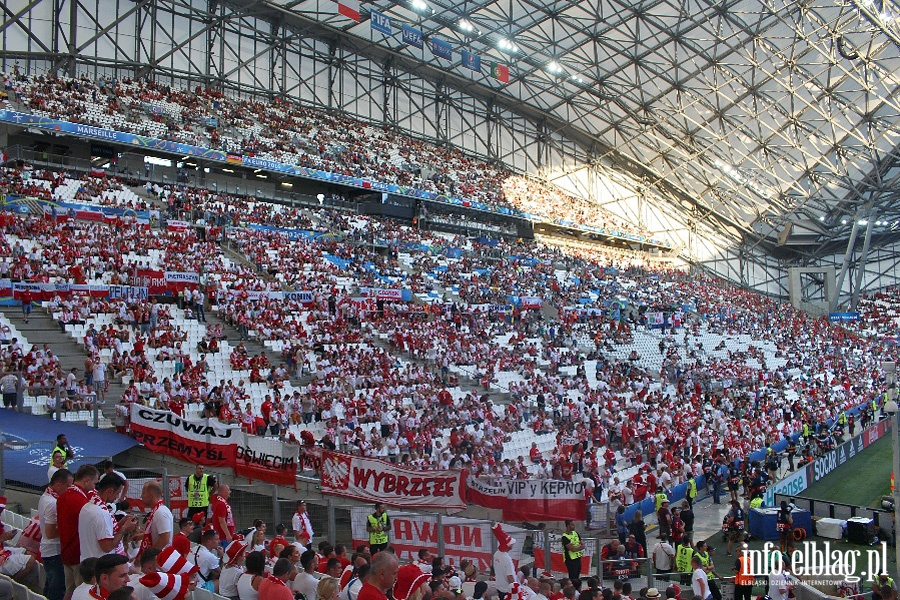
column 58, row 397
column 639, row 571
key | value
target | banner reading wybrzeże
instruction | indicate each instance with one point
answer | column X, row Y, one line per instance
column 530, row 499
column 373, row 480
column 210, row 443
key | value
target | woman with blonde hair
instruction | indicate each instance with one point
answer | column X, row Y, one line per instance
column 328, row 589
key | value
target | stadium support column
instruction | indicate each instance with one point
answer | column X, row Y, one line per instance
column 845, row 264
column 861, row 263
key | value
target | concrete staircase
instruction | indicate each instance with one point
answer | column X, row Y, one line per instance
column 42, row 329
column 141, row 192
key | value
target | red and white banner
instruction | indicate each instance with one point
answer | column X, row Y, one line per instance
column 388, row 294
column 46, row 291
column 350, row 9
column 199, row 442
column 153, row 280
column 874, row 433
column 526, row 302
column 177, row 225
column 267, row 459
column 530, row 499
column 463, row 538
column 213, row 444
column 373, row 480
column 311, row 459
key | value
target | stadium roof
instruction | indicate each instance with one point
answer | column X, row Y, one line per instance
column 757, row 115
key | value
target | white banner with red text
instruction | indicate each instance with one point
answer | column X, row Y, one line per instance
column 208, row 442
column 530, row 499
column 463, row 538
column 178, row 280
column 373, row 480
column 301, row 297
column 12, row 292
column 382, row 294
column 172, row 225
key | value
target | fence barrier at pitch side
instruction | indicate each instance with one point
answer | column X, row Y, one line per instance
column 837, row 510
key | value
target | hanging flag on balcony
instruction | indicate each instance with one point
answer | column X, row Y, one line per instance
column 441, row 49
column 350, row 9
column 380, row 22
column 500, row 72
column 412, row 36
column 470, row 60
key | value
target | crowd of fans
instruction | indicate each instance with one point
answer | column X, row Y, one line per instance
column 543, row 326
column 92, row 544
column 560, row 375
column 301, row 136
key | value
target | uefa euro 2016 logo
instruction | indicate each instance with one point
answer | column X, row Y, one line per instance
column 818, row 560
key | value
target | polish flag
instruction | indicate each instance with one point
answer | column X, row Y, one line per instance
column 350, row 9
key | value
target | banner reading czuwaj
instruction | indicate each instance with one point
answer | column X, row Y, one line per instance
column 212, row 444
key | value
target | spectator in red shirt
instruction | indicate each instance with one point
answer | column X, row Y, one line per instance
column 26, row 304
column 180, row 542
column 68, row 507
column 340, row 552
column 222, row 519
column 381, row 577
column 534, row 453
column 279, row 542
column 275, row 587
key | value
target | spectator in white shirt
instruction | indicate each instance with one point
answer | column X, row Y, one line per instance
column 306, row 582
column 160, row 523
column 779, row 583
column 55, row 577
column 233, row 569
column 663, row 555
column 100, row 379
column 303, row 531
column 97, row 531
column 208, row 558
column 699, row 580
